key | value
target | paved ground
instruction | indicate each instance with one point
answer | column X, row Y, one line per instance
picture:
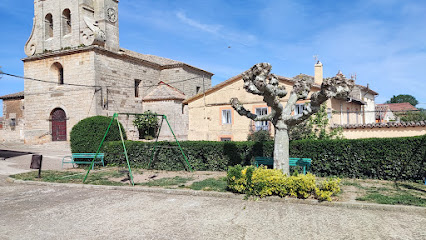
column 61, row 212
column 16, row 157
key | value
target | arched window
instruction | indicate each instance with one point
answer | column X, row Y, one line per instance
column 58, row 71
column 66, row 22
column 48, row 26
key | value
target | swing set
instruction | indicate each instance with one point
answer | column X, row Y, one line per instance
column 115, row 117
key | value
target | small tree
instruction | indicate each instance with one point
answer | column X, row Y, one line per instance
column 259, row 136
column 316, row 127
column 147, row 125
column 402, row 98
column 259, row 81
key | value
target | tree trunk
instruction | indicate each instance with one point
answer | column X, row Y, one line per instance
column 281, row 150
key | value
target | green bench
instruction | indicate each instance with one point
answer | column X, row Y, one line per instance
column 269, row 161
column 74, row 156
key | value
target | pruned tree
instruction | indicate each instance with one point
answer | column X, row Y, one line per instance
column 259, row 81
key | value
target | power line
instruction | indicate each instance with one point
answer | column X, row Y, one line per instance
column 45, row 81
column 91, row 86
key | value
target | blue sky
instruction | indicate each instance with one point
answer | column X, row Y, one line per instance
column 381, row 41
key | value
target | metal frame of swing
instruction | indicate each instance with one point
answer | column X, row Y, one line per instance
column 115, row 117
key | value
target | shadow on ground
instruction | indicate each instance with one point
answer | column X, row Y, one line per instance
column 4, row 154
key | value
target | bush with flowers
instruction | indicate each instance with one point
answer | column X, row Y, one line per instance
column 264, row 182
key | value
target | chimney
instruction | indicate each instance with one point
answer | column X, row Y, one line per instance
column 318, row 73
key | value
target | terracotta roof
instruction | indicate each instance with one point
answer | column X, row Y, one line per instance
column 18, row 95
column 399, row 107
column 368, row 89
column 164, row 92
column 383, row 125
column 234, row 79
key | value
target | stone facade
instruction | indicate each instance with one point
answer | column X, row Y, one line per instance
column 12, row 123
column 87, row 78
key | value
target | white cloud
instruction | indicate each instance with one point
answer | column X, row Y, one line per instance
column 217, row 30
column 214, row 29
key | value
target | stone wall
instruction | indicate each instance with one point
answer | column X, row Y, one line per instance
column 188, row 81
column 72, row 32
column 177, row 115
column 41, row 98
column 12, row 112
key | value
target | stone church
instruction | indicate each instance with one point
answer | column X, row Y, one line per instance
column 75, row 69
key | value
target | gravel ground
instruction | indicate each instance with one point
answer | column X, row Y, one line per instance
column 62, row 212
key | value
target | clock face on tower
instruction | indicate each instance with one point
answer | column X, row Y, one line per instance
column 112, row 15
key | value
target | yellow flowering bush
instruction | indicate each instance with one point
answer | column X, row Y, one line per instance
column 264, row 182
column 327, row 188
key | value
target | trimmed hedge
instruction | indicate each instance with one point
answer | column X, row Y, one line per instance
column 86, row 135
column 377, row 158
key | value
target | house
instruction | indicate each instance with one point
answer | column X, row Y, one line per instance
column 392, row 111
column 75, row 68
column 211, row 116
column 12, row 122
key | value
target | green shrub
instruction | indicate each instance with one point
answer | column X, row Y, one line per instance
column 384, row 158
column 147, row 125
column 260, row 136
column 86, row 135
column 264, row 182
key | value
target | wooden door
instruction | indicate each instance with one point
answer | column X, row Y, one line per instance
column 59, row 125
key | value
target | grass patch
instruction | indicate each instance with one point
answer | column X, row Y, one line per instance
column 166, row 182
column 351, row 183
column 404, row 199
column 388, row 192
column 210, row 184
column 95, row 178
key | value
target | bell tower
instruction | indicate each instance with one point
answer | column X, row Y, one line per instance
column 66, row 24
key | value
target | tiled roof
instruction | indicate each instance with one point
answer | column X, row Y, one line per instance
column 383, row 125
column 164, row 92
column 398, row 107
column 13, row 96
column 150, row 58
column 236, row 78
column 160, row 62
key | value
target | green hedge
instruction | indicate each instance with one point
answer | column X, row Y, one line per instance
column 87, row 135
column 384, row 158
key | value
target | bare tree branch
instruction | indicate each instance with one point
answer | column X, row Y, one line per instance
column 238, row 106
column 338, row 87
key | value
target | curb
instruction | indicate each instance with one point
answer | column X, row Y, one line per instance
column 348, row 205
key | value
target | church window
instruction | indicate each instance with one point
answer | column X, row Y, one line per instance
column 137, row 84
column 48, row 26
column 66, row 22
column 197, row 89
column 58, row 72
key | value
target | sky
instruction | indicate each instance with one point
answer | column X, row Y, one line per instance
column 382, row 42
